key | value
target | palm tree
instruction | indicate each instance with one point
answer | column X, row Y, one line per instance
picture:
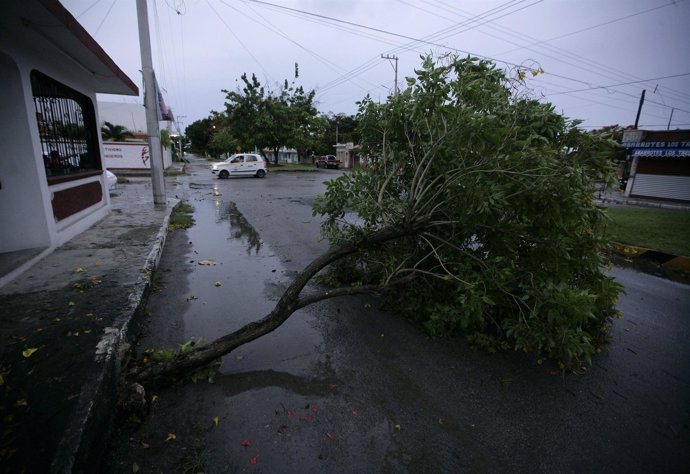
column 114, row 133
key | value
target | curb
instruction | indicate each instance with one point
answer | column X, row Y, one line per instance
column 636, row 203
column 86, row 437
column 666, row 260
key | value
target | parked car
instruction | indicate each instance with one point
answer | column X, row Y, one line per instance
column 241, row 164
column 111, row 180
column 327, row 161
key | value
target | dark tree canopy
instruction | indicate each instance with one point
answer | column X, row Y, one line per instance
column 115, row 133
column 513, row 249
column 199, row 134
column 257, row 118
column 336, row 128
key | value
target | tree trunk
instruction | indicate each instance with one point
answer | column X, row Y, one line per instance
column 165, row 372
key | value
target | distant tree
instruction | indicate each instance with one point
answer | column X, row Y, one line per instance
column 339, row 128
column 165, row 138
column 223, row 141
column 261, row 118
column 199, row 134
column 114, row 133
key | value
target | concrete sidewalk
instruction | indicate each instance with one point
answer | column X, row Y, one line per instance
column 614, row 197
column 65, row 325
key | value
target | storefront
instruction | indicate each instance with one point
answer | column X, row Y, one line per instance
column 657, row 164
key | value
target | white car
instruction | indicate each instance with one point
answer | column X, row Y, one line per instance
column 111, row 179
column 241, row 164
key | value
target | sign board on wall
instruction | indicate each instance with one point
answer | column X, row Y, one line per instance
column 130, row 156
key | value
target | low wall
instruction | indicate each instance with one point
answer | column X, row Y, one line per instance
column 131, row 156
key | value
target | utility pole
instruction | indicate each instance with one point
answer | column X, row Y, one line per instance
column 639, row 108
column 179, row 131
column 151, row 104
column 396, row 69
column 668, row 127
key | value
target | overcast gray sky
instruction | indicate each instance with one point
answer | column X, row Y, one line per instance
column 597, row 55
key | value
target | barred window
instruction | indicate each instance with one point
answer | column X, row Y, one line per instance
column 67, row 128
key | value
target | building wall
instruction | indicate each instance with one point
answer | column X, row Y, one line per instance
column 659, row 164
column 131, row 156
column 21, row 192
column 30, row 194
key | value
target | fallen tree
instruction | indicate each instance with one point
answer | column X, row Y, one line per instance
column 478, row 204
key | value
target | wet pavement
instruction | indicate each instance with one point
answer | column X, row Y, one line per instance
column 345, row 387
column 62, row 323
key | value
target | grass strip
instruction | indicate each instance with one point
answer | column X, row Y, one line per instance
column 664, row 230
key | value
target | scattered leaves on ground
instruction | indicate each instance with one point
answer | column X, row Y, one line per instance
column 253, row 460
column 208, row 262
column 218, row 284
column 330, row 436
column 245, row 443
column 29, row 352
column 215, row 420
column 170, row 437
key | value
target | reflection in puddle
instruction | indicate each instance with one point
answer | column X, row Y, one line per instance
column 650, row 267
column 240, row 228
column 243, row 286
column 245, row 381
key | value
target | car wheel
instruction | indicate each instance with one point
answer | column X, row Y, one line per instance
column 223, row 174
column 260, row 174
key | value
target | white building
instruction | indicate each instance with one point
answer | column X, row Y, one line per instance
column 52, row 184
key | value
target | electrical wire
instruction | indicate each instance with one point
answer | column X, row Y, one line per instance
column 107, row 14
column 599, row 67
column 621, row 84
column 244, row 46
column 88, row 8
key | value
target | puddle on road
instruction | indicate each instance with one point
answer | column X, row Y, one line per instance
column 242, row 286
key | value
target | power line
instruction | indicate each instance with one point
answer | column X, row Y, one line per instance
column 331, row 65
column 615, row 74
column 620, row 84
column 674, row 2
column 239, row 40
column 107, row 14
column 410, row 45
column 88, row 8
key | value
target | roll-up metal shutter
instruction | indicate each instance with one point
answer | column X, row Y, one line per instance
column 662, row 186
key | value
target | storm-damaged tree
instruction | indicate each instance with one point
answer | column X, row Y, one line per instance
column 476, row 205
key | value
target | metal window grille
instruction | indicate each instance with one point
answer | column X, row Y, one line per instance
column 67, row 128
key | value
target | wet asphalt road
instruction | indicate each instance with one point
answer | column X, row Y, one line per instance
column 344, row 387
